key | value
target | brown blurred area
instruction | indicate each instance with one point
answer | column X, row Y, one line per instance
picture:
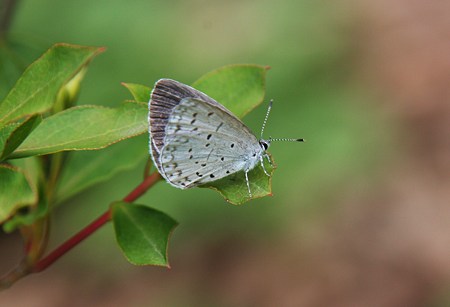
column 392, row 251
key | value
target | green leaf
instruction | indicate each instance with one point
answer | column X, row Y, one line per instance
column 141, row 93
column 142, row 233
column 84, row 169
column 32, row 168
column 85, row 128
column 240, row 88
column 234, row 187
column 37, row 89
column 27, row 218
column 12, row 135
column 15, row 191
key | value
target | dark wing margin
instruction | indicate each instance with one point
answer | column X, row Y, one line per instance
column 165, row 96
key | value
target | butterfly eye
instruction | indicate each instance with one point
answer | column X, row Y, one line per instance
column 264, row 145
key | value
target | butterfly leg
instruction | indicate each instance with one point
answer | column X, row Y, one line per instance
column 268, row 159
column 263, row 167
column 248, row 183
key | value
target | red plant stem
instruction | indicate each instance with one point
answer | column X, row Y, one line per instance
column 143, row 187
column 92, row 227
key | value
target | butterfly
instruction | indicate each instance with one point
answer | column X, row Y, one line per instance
column 195, row 140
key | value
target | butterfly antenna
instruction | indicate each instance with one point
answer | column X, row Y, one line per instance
column 267, row 116
column 287, row 140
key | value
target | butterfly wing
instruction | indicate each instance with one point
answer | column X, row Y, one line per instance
column 203, row 143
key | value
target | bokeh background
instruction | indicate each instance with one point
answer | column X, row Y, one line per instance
column 361, row 212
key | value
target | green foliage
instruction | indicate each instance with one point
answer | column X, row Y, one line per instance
column 15, row 191
column 12, row 135
column 84, row 169
column 52, row 150
column 234, row 188
column 85, row 128
column 142, row 233
column 36, row 90
column 32, row 167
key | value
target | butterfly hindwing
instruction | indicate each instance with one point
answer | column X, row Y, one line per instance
column 186, row 168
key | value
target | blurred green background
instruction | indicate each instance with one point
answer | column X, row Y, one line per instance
column 360, row 211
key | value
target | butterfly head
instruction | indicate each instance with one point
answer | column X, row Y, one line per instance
column 264, row 144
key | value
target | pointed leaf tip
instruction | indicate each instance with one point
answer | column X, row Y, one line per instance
column 140, row 93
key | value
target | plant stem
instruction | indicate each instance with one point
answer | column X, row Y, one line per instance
column 147, row 183
column 45, row 262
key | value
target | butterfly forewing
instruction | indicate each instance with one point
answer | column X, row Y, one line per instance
column 203, row 143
